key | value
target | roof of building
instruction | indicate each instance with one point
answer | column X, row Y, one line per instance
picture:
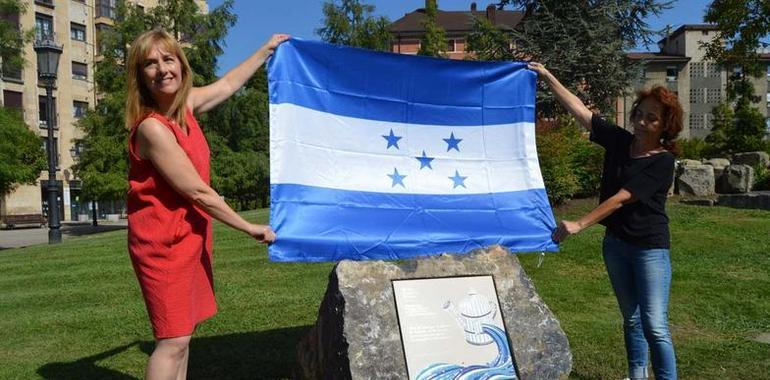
column 652, row 56
column 688, row 27
column 454, row 21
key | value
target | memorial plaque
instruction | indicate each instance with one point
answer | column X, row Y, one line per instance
column 452, row 327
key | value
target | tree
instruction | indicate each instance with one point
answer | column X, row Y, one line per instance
column 352, row 23
column 741, row 26
column 12, row 40
column 582, row 43
column 21, row 156
column 103, row 164
column 240, row 143
column 433, row 42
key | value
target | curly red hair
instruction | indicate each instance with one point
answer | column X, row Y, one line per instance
column 671, row 117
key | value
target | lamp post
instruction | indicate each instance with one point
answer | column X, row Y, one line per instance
column 47, row 65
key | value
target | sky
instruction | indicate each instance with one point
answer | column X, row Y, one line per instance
column 259, row 19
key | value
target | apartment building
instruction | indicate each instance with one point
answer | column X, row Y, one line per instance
column 680, row 66
column 75, row 25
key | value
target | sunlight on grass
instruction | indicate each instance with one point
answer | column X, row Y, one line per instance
column 75, row 311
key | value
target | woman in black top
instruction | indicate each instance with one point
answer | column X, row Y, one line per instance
column 638, row 172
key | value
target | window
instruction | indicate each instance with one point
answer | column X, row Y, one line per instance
column 696, row 70
column 713, row 95
column 77, row 32
column 44, row 144
column 737, row 73
column 79, row 109
column 696, row 121
column 79, row 70
column 671, row 73
column 106, row 8
column 450, row 46
column 12, row 99
column 712, row 70
column 43, row 116
column 697, row 95
column 101, row 31
column 11, row 71
column 43, row 27
column 48, row 3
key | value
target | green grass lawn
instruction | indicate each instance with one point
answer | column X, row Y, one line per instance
column 75, row 311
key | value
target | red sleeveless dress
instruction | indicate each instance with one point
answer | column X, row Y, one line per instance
column 169, row 239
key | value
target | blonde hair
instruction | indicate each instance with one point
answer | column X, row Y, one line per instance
column 139, row 100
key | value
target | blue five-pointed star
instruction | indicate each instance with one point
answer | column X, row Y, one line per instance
column 425, row 161
column 458, row 180
column 452, row 142
column 398, row 179
column 392, row 139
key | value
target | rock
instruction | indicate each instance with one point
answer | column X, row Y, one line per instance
column 699, row 202
column 752, row 159
column 697, row 180
column 357, row 336
column 755, row 200
column 719, row 165
column 688, row 162
column 736, row 179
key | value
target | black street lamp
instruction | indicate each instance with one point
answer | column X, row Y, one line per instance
column 47, row 65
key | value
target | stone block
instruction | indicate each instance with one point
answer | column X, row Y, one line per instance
column 736, row 179
column 696, row 180
column 752, row 159
column 356, row 335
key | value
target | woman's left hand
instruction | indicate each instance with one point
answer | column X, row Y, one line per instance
column 565, row 229
column 271, row 44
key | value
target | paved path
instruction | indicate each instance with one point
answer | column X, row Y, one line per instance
column 24, row 237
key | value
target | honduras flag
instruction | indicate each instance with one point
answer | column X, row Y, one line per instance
column 387, row 156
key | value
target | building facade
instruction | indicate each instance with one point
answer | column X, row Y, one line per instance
column 408, row 30
column 680, row 65
column 75, row 25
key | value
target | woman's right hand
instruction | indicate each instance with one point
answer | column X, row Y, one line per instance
column 538, row 68
column 262, row 233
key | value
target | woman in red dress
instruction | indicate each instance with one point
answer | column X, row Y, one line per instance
column 170, row 201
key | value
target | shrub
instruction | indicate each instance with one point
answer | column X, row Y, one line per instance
column 571, row 165
column 693, row 148
column 761, row 178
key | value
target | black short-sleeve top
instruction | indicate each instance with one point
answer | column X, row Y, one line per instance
column 643, row 223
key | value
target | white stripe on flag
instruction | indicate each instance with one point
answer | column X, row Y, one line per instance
column 314, row 148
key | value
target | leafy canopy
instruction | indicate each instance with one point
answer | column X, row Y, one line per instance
column 103, row 164
column 21, row 155
column 352, row 23
column 581, row 43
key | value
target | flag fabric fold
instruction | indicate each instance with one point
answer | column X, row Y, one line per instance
column 385, row 156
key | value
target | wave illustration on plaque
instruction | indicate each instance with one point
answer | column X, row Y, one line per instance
column 498, row 369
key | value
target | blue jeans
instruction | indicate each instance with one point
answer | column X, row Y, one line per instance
column 641, row 278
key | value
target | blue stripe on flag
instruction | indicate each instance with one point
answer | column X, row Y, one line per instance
column 400, row 88
column 319, row 224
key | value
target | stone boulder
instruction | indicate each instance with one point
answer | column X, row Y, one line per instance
column 737, row 179
column 356, row 335
column 719, row 165
column 754, row 200
column 752, row 159
column 696, row 180
column 688, row 162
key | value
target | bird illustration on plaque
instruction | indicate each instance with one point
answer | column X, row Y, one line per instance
column 452, row 328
